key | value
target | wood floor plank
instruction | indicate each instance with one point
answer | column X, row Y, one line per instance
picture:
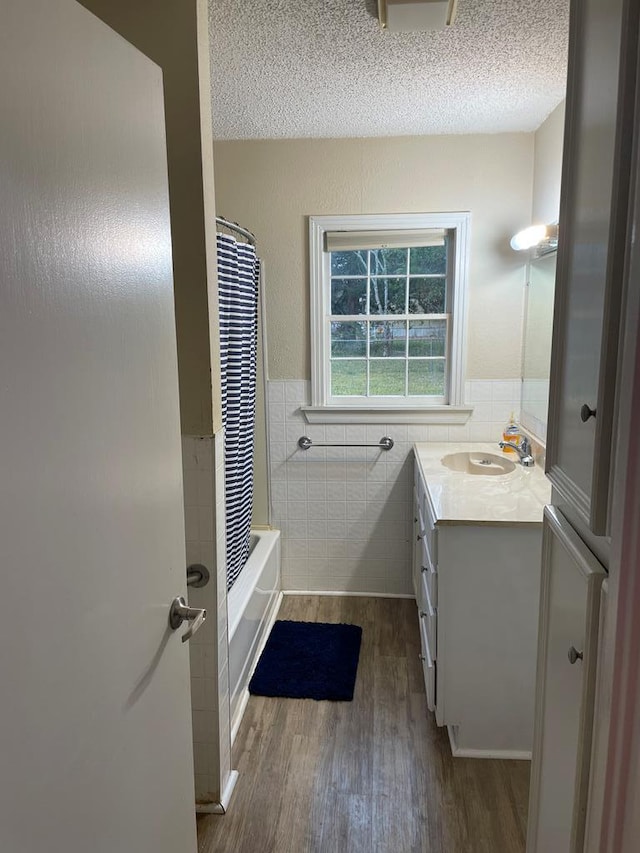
column 374, row 775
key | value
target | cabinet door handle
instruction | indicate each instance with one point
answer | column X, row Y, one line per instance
column 424, row 568
column 574, row 655
column 418, row 537
column 586, row 413
column 422, row 658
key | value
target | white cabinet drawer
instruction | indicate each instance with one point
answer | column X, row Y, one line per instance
column 428, row 515
column 416, row 569
column 428, row 668
column 430, row 578
column 428, row 617
column 419, row 486
column 417, row 549
column 426, row 521
column 429, row 541
column 428, row 570
column 426, row 554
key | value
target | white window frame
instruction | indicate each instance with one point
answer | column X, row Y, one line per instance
column 387, row 410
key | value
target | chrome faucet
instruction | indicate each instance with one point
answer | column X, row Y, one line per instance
column 523, row 450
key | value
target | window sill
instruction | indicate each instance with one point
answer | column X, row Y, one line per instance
column 450, row 415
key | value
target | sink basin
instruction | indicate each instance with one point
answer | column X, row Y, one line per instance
column 483, row 464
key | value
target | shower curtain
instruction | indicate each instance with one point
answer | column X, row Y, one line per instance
column 238, row 277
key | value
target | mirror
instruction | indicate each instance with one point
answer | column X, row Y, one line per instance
column 536, row 357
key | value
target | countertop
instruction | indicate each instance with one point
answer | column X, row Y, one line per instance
column 455, row 497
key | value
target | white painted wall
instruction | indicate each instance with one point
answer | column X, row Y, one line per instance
column 174, row 34
column 344, row 513
column 272, row 186
column 547, row 167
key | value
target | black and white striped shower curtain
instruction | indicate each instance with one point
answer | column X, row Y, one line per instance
column 238, row 278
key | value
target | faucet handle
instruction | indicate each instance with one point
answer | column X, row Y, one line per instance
column 525, row 444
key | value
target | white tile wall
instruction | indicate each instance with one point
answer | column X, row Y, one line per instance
column 203, row 471
column 345, row 513
column 535, row 404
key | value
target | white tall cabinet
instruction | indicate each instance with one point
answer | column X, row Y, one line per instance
column 589, row 280
column 584, row 401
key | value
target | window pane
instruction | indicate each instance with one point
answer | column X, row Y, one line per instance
column 388, row 262
column 348, row 339
column 426, row 377
column 349, row 378
column 349, row 263
column 386, row 377
column 387, row 296
column 427, row 295
column 427, row 337
column 349, row 296
column 427, row 260
column 388, row 339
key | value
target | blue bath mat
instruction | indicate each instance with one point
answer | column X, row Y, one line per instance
column 308, row 660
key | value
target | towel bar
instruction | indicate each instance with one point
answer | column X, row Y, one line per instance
column 304, row 443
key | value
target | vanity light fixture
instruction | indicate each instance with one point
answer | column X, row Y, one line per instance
column 542, row 238
column 416, row 16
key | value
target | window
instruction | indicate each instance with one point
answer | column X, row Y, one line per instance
column 388, row 313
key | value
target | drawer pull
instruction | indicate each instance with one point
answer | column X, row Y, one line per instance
column 574, row 655
column 586, row 412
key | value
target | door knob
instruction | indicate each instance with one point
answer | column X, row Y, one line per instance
column 181, row 612
column 587, row 412
column 574, row 655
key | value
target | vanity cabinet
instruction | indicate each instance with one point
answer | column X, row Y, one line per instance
column 477, row 592
column 570, row 601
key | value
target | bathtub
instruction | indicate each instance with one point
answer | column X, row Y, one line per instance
column 252, row 605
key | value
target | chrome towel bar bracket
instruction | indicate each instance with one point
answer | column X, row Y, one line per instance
column 197, row 575
column 304, row 443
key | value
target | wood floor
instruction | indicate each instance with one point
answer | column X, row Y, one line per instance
column 370, row 776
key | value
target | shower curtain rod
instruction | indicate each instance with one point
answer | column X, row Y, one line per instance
column 233, row 226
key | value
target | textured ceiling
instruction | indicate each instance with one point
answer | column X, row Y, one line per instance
column 323, row 68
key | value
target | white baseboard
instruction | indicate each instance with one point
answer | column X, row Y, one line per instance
column 507, row 754
column 242, row 704
column 223, row 805
column 345, row 594
column 239, row 714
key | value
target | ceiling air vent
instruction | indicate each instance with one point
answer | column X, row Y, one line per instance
column 409, row 16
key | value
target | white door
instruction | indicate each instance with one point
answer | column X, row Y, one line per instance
column 95, row 731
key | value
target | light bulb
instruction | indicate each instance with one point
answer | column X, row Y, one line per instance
column 529, row 237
